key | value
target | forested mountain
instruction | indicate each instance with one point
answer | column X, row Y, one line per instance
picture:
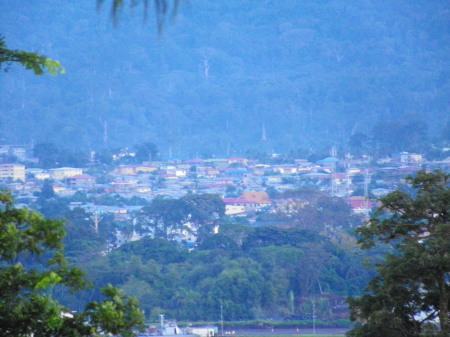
column 311, row 72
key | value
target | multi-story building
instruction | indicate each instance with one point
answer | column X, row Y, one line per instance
column 18, row 151
column 407, row 158
column 13, row 171
column 82, row 180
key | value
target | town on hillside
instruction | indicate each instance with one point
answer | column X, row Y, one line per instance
column 272, row 192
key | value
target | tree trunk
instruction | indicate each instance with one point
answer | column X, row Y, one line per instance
column 443, row 305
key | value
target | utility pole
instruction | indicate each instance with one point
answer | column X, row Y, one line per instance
column 314, row 319
column 333, row 154
column 366, row 191
column 221, row 318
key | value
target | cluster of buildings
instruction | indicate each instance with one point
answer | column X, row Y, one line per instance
column 246, row 186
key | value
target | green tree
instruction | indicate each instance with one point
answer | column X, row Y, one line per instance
column 32, row 61
column 204, row 209
column 32, row 265
column 47, row 191
column 413, row 284
column 47, row 154
column 162, row 8
column 146, row 152
column 164, row 218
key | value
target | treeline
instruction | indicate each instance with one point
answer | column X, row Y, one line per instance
column 262, row 272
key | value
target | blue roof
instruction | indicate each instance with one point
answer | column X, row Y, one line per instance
column 237, row 172
column 328, row 160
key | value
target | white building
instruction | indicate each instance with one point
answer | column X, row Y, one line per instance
column 13, row 171
column 64, row 172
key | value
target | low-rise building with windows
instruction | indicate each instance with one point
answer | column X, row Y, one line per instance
column 64, row 172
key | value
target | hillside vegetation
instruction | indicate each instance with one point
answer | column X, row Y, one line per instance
column 314, row 73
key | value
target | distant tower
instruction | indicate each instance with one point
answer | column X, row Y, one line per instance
column 105, row 130
column 333, row 183
column 228, row 148
column 96, row 218
column 333, row 151
column 264, row 136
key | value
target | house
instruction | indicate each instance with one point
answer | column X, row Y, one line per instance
column 250, row 202
column 64, row 172
column 18, row 151
column 360, row 204
column 175, row 171
column 63, row 191
column 82, row 180
column 195, row 161
column 38, row 173
column 274, row 179
column 237, row 160
column 12, row 171
column 261, row 198
column 407, row 158
column 236, row 172
column 203, row 331
column 238, row 206
column 328, row 162
column 132, row 170
column 143, row 189
column 285, row 169
column 119, row 186
column 217, row 163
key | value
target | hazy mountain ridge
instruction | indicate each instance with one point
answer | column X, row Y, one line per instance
column 312, row 72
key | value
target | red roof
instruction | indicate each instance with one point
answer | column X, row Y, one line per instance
column 195, row 161
column 230, row 201
column 359, row 202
